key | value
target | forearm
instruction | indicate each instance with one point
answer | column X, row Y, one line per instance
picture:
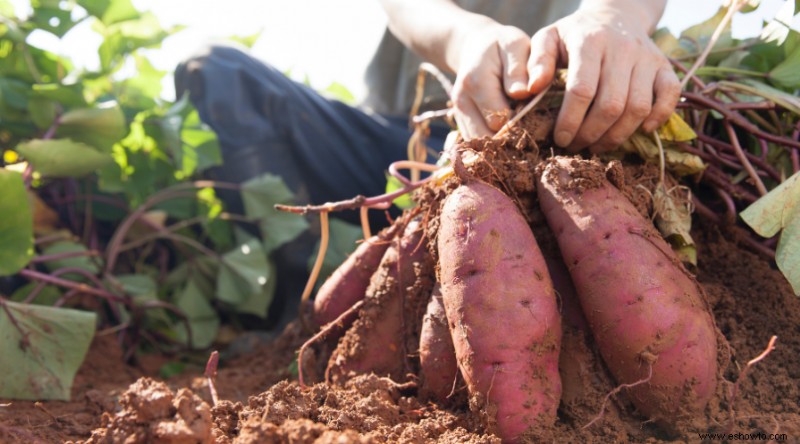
column 434, row 29
column 647, row 13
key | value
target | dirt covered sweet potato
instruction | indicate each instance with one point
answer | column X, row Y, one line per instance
column 645, row 310
column 436, row 354
column 377, row 341
column 502, row 310
column 348, row 284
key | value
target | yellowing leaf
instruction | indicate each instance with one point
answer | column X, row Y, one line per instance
column 674, row 221
column 676, row 130
column 679, row 162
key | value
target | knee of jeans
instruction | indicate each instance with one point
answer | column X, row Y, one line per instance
column 190, row 73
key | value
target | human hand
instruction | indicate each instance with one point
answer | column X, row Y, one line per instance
column 490, row 67
column 614, row 73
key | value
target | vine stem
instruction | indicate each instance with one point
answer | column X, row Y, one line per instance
column 42, row 277
column 174, row 192
column 65, row 255
column 732, row 9
column 744, row 160
column 739, row 120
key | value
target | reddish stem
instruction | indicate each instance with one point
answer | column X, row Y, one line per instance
column 744, row 160
column 211, row 376
column 739, row 120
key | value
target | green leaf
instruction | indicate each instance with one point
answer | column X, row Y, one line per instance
column 700, row 35
column 16, row 224
column 100, row 127
column 259, row 195
column 339, row 92
column 63, row 157
column 787, row 254
column 42, row 112
column 247, row 40
column 787, row 73
column 203, row 319
column 243, row 277
column 81, row 262
column 281, row 228
column 780, row 210
column 13, row 93
column 67, row 95
column 43, row 350
column 778, row 29
column 47, row 296
column 343, row 238
column 393, row 184
column 143, row 289
column 772, row 212
column 258, row 303
column 48, row 16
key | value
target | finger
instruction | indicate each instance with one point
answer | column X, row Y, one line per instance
column 611, row 100
column 514, row 53
column 667, row 90
column 470, row 121
column 638, row 107
column 489, row 101
column 583, row 76
column 543, row 59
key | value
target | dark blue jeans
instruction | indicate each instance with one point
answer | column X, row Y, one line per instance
column 323, row 149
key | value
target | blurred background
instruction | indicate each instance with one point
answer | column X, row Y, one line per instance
column 321, row 41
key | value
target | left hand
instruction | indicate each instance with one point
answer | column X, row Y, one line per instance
column 617, row 78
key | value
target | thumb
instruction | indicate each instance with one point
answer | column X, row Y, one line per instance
column 543, row 59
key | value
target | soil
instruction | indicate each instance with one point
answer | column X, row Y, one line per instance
column 261, row 400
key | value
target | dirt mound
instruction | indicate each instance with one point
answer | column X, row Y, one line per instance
column 750, row 299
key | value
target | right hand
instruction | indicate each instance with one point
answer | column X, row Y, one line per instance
column 492, row 66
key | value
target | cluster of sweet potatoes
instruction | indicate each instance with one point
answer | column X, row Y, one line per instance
column 485, row 312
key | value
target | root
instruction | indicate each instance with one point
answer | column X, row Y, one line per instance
column 338, row 322
column 617, row 390
column 742, row 375
column 535, row 101
column 365, row 222
column 312, row 279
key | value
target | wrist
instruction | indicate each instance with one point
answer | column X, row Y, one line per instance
column 640, row 15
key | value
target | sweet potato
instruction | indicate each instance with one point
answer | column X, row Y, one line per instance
column 502, row 310
column 377, row 340
column 645, row 310
column 348, row 284
column 436, row 354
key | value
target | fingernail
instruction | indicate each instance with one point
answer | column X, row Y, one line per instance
column 517, row 87
column 563, row 138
